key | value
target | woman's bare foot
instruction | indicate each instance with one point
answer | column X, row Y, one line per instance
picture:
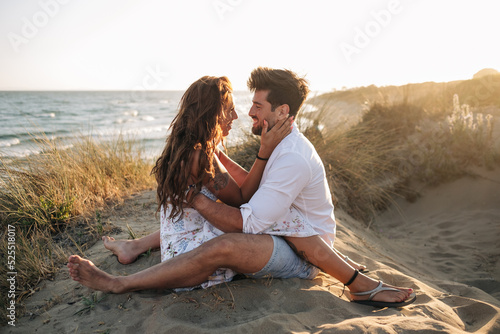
column 87, row 274
column 364, row 283
column 125, row 250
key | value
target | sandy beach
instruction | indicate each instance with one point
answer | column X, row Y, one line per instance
column 445, row 245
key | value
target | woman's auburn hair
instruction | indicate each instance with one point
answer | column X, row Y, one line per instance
column 195, row 127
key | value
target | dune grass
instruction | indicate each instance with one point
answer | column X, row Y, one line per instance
column 393, row 146
column 444, row 149
column 44, row 195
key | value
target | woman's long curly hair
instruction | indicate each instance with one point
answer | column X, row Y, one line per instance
column 196, row 126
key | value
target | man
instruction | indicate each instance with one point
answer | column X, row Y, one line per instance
column 294, row 175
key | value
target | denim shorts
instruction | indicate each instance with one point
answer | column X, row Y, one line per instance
column 284, row 263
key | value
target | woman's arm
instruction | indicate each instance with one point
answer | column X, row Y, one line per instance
column 237, row 172
column 235, row 193
column 268, row 142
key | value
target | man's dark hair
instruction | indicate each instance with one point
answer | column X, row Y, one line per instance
column 284, row 86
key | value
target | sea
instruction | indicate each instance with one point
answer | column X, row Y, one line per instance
column 60, row 116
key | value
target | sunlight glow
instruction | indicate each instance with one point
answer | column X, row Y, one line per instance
column 118, row 45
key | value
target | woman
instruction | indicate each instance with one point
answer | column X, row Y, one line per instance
column 190, row 161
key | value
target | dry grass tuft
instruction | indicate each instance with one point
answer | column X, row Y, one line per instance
column 45, row 191
column 360, row 166
column 43, row 195
column 371, row 162
column 244, row 154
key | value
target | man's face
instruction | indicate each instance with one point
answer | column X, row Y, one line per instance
column 260, row 111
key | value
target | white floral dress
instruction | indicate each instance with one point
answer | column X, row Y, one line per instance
column 185, row 233
column 189, row 231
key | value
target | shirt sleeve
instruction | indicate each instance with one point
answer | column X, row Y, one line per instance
column 286, row 178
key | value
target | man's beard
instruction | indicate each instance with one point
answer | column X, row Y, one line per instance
column 257, row 130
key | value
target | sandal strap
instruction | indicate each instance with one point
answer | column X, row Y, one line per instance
column 373, row 292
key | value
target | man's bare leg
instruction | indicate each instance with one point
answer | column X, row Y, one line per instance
column 127, row 251
column 316, row 251
column 244, row 253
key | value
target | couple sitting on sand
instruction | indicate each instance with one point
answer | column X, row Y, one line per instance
column 287, row 222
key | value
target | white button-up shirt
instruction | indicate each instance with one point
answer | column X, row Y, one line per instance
column 294, row 176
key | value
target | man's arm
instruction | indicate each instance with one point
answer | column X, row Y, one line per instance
column 286, row 179
column 226, row 218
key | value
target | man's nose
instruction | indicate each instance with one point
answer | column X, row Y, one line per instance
column 251, row 111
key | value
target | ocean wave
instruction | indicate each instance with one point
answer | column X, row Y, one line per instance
column 42, row 137
column 131, row 113
column 23, row 153
column 146, row 130
column 133, row 131
column 146, row 118
column 9, row 142
column 65, row 147
column 50, row 114
column 124, row 120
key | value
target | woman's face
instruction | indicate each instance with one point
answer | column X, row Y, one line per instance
column 229, row 116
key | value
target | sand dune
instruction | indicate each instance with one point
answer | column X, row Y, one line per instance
column 446, row 245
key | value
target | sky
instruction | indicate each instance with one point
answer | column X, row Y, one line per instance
column 166, row 45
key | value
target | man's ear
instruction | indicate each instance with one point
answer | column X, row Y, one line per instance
column 283, row 110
